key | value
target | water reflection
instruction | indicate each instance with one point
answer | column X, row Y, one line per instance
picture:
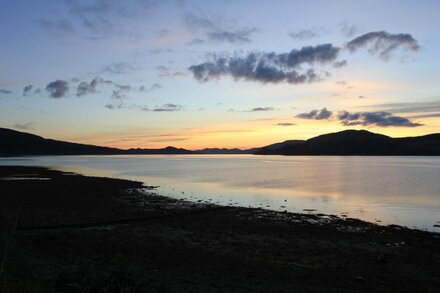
column 399, row 190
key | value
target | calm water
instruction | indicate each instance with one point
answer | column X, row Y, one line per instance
column 398, row 190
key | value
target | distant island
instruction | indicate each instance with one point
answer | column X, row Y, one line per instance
column 347, row 142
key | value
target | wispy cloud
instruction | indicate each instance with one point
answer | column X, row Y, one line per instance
column 24, row 126
column 5, row 92
column 285, row 124
column 306, row 34
column 383, row 43
column 120, row 68
column 218, row 29
column 57, row 27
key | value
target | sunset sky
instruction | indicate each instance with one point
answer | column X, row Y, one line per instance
column 236, row 73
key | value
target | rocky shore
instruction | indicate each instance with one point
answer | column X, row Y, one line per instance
column 63, row 232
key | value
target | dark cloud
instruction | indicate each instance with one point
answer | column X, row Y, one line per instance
column 5, row 92
column 383, row 43
column 268, row 67
column 58, row 27
column 316, row 114
column 31, row 90
column 214, row 28
column 285, row 124
column 57, row 89
column 27, row 90
column 168, row 108
column 24, row 126
column 262, row 109
column 379, row 118
column 85, row 88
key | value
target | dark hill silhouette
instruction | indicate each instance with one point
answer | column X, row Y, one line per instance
column 279, row 145
column 359, row 142
column 16, row 143
column 218, row 151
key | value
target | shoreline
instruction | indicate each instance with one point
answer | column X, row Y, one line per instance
column 78, row 223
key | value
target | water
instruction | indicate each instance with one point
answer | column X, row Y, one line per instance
column 392, row 190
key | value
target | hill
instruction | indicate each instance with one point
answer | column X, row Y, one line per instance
column 359, row 142
column 220, row 151
column 16, row 143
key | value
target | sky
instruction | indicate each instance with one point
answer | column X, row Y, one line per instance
column 226, row 73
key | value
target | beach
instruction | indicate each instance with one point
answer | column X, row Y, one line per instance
column 64, row 232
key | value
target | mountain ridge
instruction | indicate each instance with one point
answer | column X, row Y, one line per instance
column 360, row 142
column 347, row 142
column 17, row 143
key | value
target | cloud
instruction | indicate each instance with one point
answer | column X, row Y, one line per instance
column 268, row 67
column 165, row 71
column 57, row 89
column 430, row 115
column 339, row 64
column 27, row 90
column 85, row 88
column 285, row 124
column 5, row 92
column 57, row 27
column 308, row 33
column 167, row 108
column 316, row 114
column 304, row 34
column 218, row 29
column 103, row 18
column 418, row 107
column 120, row 68
column 348, row 30
column 162, row 33
column 120, row 91
column 162, row 108
column 24, row 126
column 114, row 106
column 262, row 109
column 383, row 43
column 379, row 118
column 153, row 87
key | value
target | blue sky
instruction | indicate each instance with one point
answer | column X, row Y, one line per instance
column 146, row 73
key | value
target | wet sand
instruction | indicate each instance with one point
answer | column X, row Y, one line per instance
column 62, row 232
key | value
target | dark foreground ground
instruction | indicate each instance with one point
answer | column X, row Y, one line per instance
column 73, row 233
